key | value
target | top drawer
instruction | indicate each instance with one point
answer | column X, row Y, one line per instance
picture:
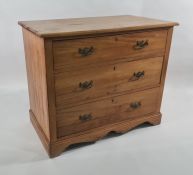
column 79, row 53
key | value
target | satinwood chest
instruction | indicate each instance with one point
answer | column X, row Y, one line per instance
column 91, row 76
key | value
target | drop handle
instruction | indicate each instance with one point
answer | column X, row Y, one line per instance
column 86, row 51
column 85, row 117
column 141, row 44
column 86, row 84
column 137, row 75
column 135, row 105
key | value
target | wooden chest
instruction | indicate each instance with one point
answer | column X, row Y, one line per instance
column 91, row 76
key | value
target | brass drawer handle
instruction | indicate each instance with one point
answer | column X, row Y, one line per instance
column 85, row 117
column 86, row 51
column 86, row 84
column 141, row 44
column 137, row 76
column 135, row 105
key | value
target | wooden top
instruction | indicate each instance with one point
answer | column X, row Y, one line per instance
column 90, row 25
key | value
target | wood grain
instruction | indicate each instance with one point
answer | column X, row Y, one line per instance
column 63, row 54
column 97, row 133
column 108, row 81
column 107, row 111
column 39, row 131
column 37, row 85
column 49, row 62
column 107, row 50
column 165, row 65
column 92, row 25
column 56, row 148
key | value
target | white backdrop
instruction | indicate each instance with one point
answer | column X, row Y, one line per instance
column 165, row 149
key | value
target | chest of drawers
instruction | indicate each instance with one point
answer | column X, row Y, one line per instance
column 91, row 76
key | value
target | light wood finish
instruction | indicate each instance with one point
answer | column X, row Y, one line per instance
column 109, row 111
column 49, row 63
column 107, row 50
column 165, row 65
column 40, row 132
column 92, row 25
column 126, row 58
column 37, row 85
column 111, row 80
column 56, row 148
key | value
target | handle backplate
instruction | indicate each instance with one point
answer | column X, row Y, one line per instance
column 85, row 117
column 137, row 75
column 141, row 44
column 86, row 84
column 86, row 51
column 135, row 105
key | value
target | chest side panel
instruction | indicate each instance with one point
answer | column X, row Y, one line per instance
column 36, row 74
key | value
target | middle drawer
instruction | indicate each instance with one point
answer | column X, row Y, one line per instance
column 75, row 87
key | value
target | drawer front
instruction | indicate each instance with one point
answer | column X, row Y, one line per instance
column 90, row 52
column 92, row 115
column 75, row 87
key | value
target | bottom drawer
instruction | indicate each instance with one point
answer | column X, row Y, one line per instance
column 110, row 110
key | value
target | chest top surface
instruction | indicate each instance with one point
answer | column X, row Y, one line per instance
column 90, row 25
